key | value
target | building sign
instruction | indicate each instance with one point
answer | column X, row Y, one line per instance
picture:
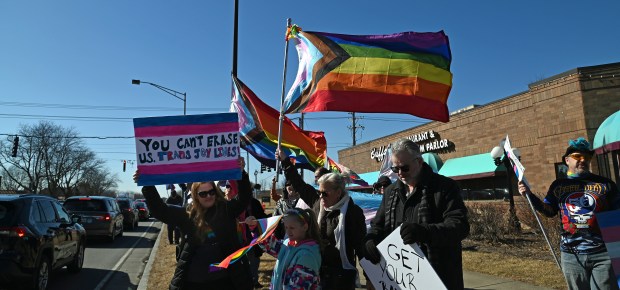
column 429, row 141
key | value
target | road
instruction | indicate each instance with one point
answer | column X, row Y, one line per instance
column 108, row 266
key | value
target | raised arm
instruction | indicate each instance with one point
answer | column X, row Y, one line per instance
column 238, row 205
column 169, row 214
column 306, row 191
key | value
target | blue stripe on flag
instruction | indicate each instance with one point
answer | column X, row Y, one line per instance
column 204, row 119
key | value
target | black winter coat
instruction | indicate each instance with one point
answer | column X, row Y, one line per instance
column 354, row 224
column 224, row 225
column 446, row 227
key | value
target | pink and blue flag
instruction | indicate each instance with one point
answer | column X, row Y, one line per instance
column 609, row 223
column 369, row 203
column 180, row 149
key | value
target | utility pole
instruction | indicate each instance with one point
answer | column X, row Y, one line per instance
column 354, row 127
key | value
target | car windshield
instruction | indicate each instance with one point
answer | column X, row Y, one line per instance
column 85, row 205
column 8, row 213
column 140, row 205
column 123, row 204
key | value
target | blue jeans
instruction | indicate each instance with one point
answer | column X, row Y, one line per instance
column 588, row 271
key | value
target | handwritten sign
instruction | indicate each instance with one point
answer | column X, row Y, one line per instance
column 402, row 267
column 179, row 149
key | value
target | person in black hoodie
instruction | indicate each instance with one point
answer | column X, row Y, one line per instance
column 341, row 222
column 210, row 226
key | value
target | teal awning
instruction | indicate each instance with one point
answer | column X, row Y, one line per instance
column 433, row 160
column 470, row 167
column 607, row 136
column 370, row 177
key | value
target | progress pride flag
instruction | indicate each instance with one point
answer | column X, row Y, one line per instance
column 179, row 149
column 609, row 222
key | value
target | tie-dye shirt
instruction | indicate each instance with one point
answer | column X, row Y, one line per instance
column 578, row 200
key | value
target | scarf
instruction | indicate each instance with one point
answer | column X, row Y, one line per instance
column 339, row 231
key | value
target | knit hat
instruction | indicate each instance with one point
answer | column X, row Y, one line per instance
column 578, row 145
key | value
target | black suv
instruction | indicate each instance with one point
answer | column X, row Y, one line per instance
column 37, row 235
column 100, row 215
column 130, row 212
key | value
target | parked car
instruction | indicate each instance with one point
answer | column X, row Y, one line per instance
column 101, row 215
column 130, row 212
column 143, row 211
column 37, row 236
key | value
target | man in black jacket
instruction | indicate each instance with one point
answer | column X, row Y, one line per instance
column 174, row 234
column 429, row 210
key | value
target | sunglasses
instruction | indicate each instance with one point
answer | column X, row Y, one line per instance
column 403, row 168
column 323, row 193
column 580, row 157
column 211, row 192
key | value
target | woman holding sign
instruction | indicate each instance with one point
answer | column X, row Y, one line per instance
column 211, row 227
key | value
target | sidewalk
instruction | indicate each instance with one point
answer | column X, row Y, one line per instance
column 475, row 280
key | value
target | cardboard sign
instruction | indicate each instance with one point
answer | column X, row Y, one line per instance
column 402, row 267
column 179, row 149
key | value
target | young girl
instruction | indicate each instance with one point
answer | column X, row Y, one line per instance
column 299, row 256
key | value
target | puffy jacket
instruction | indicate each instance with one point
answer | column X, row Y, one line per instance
column 224, row 225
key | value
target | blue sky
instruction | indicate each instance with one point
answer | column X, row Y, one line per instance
column 87, row 52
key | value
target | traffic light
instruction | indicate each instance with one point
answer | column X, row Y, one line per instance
column 124, row 165
column 15, row 146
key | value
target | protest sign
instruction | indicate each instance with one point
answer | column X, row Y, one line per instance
column 179, row 149
column 402, row 267
column 517, row 167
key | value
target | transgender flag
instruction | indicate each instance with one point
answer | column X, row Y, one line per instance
column 368, row 202
column 609, row 222
column 180, row 149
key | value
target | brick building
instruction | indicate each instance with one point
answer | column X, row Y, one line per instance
column 539, row 122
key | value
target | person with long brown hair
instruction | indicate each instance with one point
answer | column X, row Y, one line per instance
column 210, row 227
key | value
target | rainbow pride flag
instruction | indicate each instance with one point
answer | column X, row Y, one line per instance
column 267, row 226
column 406, row 72
column 609, row 223
column 258, row 125
column 180, row 149
column 339, row 168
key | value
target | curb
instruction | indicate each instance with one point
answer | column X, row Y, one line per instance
column 144, row 281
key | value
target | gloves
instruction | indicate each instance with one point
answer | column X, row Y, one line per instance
column 413, row 233
column 372, row 254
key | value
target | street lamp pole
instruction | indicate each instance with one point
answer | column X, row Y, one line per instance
column 169, row 91
column 499, row 157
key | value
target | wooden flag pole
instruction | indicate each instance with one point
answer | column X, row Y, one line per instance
column 288, row 24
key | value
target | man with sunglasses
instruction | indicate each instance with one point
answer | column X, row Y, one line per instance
column 429, row 210
column 585, row 261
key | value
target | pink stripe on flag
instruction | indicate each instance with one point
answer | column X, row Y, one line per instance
column 190, row 167
column 158, row 131
column 611, row 234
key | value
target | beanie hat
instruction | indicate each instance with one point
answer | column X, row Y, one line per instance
column 578, row 145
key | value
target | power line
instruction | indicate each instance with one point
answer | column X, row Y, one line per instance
column 94, row 107
column 71, row 137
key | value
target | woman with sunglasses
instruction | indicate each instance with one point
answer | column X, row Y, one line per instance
column 210, row 225
column 342, row 225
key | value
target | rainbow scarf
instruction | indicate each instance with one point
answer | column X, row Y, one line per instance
column 267, row 227
column 258, row 125
column 406, row 72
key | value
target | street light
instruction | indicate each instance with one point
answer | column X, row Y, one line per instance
column 499, row 156
column 255, row 180
column 167, row 90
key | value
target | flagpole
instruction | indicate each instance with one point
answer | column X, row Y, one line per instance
column 288, row 24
